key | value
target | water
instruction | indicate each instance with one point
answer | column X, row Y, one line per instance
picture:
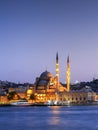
column 49, row 118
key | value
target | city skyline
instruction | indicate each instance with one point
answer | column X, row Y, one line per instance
column 32, row 32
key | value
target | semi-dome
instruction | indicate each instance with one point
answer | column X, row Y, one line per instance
column 46, row 75
column 29, row 91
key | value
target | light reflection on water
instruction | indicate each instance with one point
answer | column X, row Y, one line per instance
column 54, row 119
column 49, row 118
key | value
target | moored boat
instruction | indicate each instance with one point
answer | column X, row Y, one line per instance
column 4, row 104
column 21, row 103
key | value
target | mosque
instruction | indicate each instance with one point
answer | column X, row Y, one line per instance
column 48, row 88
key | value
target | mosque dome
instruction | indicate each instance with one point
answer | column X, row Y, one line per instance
column 46, row 75
column 29, row 91
column 44, row 78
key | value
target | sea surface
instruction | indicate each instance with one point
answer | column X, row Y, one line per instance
column 49, row 118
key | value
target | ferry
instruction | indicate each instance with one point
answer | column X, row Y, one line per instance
column 57, row 103
column 21, row 103
column 4, row 104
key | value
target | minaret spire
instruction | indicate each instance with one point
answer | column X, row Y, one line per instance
column 57, row 70
column 68, row 74
column 57, row 57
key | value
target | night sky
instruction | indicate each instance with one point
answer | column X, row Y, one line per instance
column 33, row 31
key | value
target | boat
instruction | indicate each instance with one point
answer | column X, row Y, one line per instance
column 21, row 103
column 52, row 103
column 4, row 104
column 57, row 103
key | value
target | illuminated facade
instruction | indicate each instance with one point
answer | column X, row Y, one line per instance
column 3, row 99
column 29, row 92
column 48, row 87
column 77, row 96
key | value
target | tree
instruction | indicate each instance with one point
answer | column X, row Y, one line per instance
column 11, row 95
column 32, row 97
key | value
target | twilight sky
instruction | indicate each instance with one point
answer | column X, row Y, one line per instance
column 32, row 31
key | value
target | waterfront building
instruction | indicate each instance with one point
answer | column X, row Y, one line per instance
column 84, row 95
column 48, row 88
column 96, row 97
column 3, row 99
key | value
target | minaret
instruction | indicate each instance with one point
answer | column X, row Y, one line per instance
column 57, row 70
column 68, row 75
